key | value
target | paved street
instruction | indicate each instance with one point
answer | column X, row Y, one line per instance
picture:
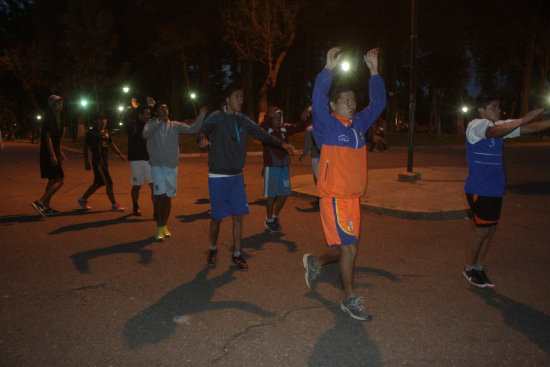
column 91, row 288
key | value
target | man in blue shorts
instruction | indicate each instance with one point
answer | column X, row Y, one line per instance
column 226, row 132
column 276, row 161
column 486, row 181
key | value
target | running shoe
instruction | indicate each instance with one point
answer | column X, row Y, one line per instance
column 39, row 208
column 474, row 277
column 355, row 307
column 83, row 203
column 240, row 262
column 137, row 212
column 160, row 235
column 51, row 211
column 117, row 207
column 166, row 232
column 271, row 225
column 312, row 270
column 486, row 282
column 212, row 254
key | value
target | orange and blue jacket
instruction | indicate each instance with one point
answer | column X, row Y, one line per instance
column 343, row 162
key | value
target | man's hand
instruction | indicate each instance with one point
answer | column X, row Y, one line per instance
column 54, row 160
column 150, row 101
column 531, row 115
column 333, row 55
column 122, row 157
column 87, row 166
column 204, row 143
column 288, row 147
column 371, row 59
column 63, row 157
column 134, row 102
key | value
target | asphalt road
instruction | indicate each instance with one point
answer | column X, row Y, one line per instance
column 91, row 288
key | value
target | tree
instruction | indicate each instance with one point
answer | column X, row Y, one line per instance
column 261, row 31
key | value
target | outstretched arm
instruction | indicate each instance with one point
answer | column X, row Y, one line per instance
column 534, row 127
column 498, row 131
column 377, row 94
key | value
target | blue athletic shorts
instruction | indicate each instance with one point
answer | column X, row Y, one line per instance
column 276, row 181
column 227, row 197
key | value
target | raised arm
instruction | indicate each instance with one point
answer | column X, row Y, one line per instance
column 196, row 126
column 377, row 93
column 150, row 128
column 258, row 133
column 501, row 130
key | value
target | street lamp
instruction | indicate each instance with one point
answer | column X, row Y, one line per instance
column 125, row 89
column 83, row 102
column 345, row 66
column 464, row 109
column 39, row 117
column 193, row 95
column 121, row 108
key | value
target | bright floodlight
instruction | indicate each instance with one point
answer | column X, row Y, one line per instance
column 83, row 103
column 38, row 117
column 121, row 108
column 125, row 89
column 193, row 95
column 345, row 66
column 464, row 109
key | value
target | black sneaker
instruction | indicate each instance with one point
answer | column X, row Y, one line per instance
column 240, row 262
column 39, row 208
column 272, row 225
column 212, row 257
column 311, row 270
column 486, row 282
column 51, row 211
column 474, row 277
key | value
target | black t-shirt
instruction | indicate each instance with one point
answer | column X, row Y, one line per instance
column 52, row 125
column 99, row 142
column 137, row 146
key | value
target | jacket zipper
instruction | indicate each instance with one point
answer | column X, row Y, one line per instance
column 326, row 170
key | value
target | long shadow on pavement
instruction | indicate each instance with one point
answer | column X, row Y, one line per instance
column 193, row 217
column 99, row 224
column 530, row 188
column 256, row 241
column 160, row 320
column 346, row 344
column 81, row 259
column 534, row 324
column 9, row 220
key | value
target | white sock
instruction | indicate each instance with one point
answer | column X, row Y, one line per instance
column 236, row 253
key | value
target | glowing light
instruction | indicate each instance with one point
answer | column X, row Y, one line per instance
column 464, row 109
column 120, row 123
column 38, row 117
column 345, row 66
column 83, row 103
column 193, row 95
column 125, row 89
column 121, row 108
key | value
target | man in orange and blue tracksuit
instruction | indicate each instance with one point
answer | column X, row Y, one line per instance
column 342, row 178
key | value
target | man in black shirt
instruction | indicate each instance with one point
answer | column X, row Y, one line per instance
column 137, row 151
column 51, row 156
column 98, row 141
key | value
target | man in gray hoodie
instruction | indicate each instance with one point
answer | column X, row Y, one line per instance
column 162, row 137
column 226, row 132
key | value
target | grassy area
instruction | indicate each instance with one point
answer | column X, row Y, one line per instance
column 188, row 142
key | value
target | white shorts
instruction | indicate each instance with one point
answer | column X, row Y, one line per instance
column 165, row 180
column 141, row 171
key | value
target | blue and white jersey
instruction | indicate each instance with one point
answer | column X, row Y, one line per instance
column 486, row 176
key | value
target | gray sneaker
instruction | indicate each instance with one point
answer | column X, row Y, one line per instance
column 312, row 270
column 355, row 308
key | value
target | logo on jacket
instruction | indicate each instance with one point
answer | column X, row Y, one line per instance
column 343, row 138
column 350, row 226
